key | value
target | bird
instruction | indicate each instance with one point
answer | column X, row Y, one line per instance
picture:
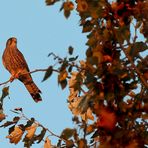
column 14, row 61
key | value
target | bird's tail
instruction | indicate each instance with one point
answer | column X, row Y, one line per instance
column 33, row 90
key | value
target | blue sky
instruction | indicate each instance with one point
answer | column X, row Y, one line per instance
column 39, row 30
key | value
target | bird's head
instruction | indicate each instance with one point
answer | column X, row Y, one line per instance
column 11, row 42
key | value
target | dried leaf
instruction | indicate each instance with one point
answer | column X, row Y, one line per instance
column 29, row 122
column 48, row 73
column 63, row 84
column 5, row 93
column 16, row 135
column 18, row 109
column 16, row 119
column 73, row 58
column 69, row 143
column 2, row 117
column 51, row 2
column 107, row 119
column 67, row 133
column 31, row 131
column 70, row 50
column 41, row 135
column 47, row 143
column 90, row 129
column 87, row 115
column 62, row 76
column 82, row 143
column 8, row 123
column 11, row 129
column 138, row 47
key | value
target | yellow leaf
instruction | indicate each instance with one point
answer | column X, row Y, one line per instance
column 16, row 135
column 30, row 131
column 47, row 143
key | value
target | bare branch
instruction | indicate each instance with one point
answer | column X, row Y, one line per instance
column 33, row 71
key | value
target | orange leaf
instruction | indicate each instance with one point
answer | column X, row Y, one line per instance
column 16, row 135
column 47, row 143
column 107, row 119
column 30, row 131
column 107, row 58
column 2, row 117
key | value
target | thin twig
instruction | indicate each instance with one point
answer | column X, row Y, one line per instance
column 36, row 70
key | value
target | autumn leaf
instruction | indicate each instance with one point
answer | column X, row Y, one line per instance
column 132, row 144
column 68, row 7
column 5, row 93
column 41, row 135
column 82, row 5
column 47, row 143
column 62, row 76
column 87, row 115
column 51, row 2
column 107, row 119
column 2, row 117
column 67, row 133
column 16, row 135
column 90, row 129
column 82, row 143
column 48, row 73
column 70, row 50
column 31, row 131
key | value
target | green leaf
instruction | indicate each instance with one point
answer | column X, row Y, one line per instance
column 48, row 73
column 70, row 50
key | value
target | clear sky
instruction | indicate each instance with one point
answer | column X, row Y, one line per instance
column 39, row 30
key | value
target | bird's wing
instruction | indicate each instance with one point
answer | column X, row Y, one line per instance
column 21, row 60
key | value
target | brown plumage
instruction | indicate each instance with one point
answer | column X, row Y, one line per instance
column 15, row 63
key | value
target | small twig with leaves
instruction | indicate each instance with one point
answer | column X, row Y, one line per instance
column 40, row 125
column 16, row 131
column 145, row 84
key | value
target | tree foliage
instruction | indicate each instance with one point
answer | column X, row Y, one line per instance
column 108, row 91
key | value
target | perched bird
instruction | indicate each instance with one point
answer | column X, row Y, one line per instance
column 15, row 63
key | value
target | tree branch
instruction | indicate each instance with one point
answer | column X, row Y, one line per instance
column 39, row 124
column 33, row 71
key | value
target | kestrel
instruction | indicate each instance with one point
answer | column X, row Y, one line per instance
column 15, row 63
